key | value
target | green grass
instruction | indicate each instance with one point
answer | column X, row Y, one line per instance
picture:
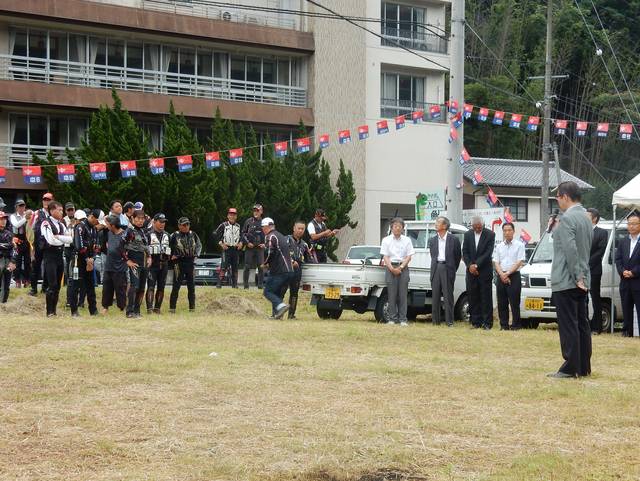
column 108, row 398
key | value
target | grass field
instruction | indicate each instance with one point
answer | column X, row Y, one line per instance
column 234, row 396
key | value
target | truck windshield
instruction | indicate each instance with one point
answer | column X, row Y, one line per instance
column 544, row 250
column 419, row 237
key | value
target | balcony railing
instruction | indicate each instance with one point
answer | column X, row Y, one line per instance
column 426, row 42
column 18, row 155
column 390, row 108
column 13, row 67
column 229, row 14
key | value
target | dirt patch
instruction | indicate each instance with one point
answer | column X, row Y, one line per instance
column 379, row 475
column 232, row 304
column 24, row 306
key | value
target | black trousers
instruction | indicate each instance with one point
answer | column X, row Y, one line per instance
column 509, row 296
column 321, row 255
column 183, row 272
column 596, row 320
column 53, row 272
column 114, row 283
column 83, row 286
column 156, row 282
column 630, row 299
column 230, row 259
column 575, row 334
column 23, row 263
column 480, row 295
column 137, row 284
column 293, row 285
column 5, row 281
column 253, row 258
column 36, row 270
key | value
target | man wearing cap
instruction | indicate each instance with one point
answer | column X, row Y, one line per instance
column 8, row 256
column 278, row 260
column 37, row 219
column 185, row 247
column 160, row 252
column 19, row 221
column 320, row 235
column 300, row 254
column 228, row 236
column 253, row 240
column 85, row 246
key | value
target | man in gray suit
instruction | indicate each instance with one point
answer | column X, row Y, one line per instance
column 446, row 254
column 570, row 281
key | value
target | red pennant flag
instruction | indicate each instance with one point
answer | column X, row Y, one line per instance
column 625, row 131
column 560, row 126
column 493, row 198
column 514, row 123
column 303, row 145
column 532, row 124
column 453, row 135
column 128, row 169
column 281, row 148
column 507, row 214
column 483, row 114
column 3, row 175
column 498, row 117
column 417, row 116
column 602, row 130
column 468, row 110
column 344, row 136
column 581, row 128
column 235, row 156
column 399, row 122
column 32, row 174
column 66, row 172
column 382, row 126
column 98, row 170
column 477, row 178
column 156, row 165
column 435, row 111
column 453, row 107
column 363, row 132
column 464, row 156
column 525, row 237
column 324, row 141
column 212, row 160
column 185, row 163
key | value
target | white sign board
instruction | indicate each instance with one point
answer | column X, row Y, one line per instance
column 492, row 216
column 430, row 205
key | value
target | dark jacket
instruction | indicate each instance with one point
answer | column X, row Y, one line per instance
column 7, row 249
column 482, row 255
column 116, row 255
column 85, row 240
column 252, row 232
column 598, row 246
column 299, row 251
column 453, row 254
column 624, row 262
column 185, row 246
column 278, row 256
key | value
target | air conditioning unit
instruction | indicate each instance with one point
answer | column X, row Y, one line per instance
column 226, row 16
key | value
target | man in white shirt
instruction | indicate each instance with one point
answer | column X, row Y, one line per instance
column 628, row 267
column 508, row 258
column 446, row 254
column 19, row 221
column 320, row 235
column 55, row 236
column 397, row 250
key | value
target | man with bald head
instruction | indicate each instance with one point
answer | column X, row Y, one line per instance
column 477, row 252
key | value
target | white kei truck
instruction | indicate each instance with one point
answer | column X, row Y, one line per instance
column 362, row 288
column 536, row 302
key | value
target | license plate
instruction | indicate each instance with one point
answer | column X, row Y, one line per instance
column 203, row 273
column 533, row 303
column 332, row 293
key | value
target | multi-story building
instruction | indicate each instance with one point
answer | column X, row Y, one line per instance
column 270, row 63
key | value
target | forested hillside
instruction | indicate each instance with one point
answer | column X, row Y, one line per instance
column 514, row 30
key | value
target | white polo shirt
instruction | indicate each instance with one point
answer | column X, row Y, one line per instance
column 506, row 255
column 396, row 248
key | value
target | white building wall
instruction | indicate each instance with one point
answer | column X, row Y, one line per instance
column 532, row 224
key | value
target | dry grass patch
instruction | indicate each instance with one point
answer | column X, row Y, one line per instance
column 230, row 395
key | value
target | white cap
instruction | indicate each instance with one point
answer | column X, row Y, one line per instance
column 267, row 221
column 101, row 218
column 80, row 215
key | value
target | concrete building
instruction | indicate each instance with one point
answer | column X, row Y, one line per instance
column 517, row 184
column 261, row 65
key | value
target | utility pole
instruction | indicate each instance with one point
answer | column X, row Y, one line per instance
column 546, row 128
column 456, row 92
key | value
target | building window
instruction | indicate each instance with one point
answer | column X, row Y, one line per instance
column 406, row 25
column 519, row 208
column 45, row 130
column 401, row 94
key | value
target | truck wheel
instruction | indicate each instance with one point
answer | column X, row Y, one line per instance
column 606, row 316
column 381, row 312
column 328, row 313
column 412, row 313
column 461, row 311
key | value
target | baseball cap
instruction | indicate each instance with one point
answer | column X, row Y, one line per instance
column 47, row 196
column 80, row 215
column 184, row 220
column 320, row 212
column 3, row 214
column 95, row 213
column 257, row 206
column 267, row 221
column 69, row 205
column 20, row 202
column 161, row 217
column 138, row 205
column 232, row 210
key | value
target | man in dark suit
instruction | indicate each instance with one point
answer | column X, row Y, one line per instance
column 598, row 246
column 477, row 252
column 628, row 265
column 446, row 254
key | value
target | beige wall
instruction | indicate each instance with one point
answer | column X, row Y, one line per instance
column 338, row 98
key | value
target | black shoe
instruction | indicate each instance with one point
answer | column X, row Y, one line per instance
column 75, row 314
column 504, row 328
column 626, row 334
column 219, row 286
column 475, row 326
column 486, row 328
column 130, row 315
column 51, row 314
column 561, row 375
